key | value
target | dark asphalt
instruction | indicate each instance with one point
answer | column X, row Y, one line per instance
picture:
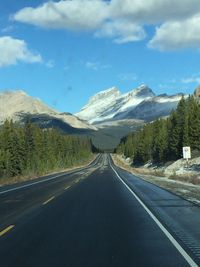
column 96, row 222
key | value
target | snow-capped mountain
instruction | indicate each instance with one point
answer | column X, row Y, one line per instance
column 140, row 103
column 105, row 105
column 17, row 105
column 99, row 104
column 152, row 108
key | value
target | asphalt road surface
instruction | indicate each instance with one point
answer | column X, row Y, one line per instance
column 98, row 216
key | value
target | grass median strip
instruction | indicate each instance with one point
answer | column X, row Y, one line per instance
column 6, row 230
column 48, row 200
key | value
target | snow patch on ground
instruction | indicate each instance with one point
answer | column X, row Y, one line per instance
column 181, row 167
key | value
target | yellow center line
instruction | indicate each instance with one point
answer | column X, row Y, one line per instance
column 6, row 230
column 47, row 201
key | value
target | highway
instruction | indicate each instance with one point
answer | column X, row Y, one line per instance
column 96, row 216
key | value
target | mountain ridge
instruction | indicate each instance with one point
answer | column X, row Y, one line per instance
column 112, row 114
column 112, row 105
column 17, row 105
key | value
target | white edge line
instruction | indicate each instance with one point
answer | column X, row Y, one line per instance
column 27, row 185
column 164, row 230
column 49, row 179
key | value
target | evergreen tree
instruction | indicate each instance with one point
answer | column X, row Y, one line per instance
column 31, row 150
column 163, row 139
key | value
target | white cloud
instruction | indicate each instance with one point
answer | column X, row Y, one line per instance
column 122, row 31
column 96, row 65
column 89, row 14
column 177, row 34
column 93, row 15
column 128, row 77
column 154, row 11
column 14, row 50
column 123, row 21
column 72, row 15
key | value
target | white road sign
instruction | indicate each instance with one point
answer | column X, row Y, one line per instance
column 186, row 152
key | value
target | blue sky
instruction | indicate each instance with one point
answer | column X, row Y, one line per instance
column 63, row 52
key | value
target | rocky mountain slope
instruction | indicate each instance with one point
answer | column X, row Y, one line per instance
column 140, row 103
column 17, row 105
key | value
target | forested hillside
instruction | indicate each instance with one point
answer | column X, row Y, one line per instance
column 163, row 139
column 27, row 150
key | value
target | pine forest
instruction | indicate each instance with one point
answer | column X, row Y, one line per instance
column 29, row 150
column 162, row 140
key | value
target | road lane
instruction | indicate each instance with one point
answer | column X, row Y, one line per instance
column 180, row 216
column 96, row 222
column 45, row 179
column 176, row 244
column 22, row 199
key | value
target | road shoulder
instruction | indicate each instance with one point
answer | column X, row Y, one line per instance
column 188, row 191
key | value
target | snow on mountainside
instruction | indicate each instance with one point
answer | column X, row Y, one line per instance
column 99, row 104
column 107, row 104
column 140, row 103
column 152, row 108
column 16, row 105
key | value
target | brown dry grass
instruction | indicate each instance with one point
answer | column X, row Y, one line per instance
column 191, row 179
column 185, row 178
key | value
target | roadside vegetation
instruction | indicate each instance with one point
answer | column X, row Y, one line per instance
column 162, row 140
column 28, row 150
column 187, row 186
column 154, row 152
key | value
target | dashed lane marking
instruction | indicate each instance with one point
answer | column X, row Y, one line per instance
column 47, row 201
column 3, row 232
column 67, row 187
column 48, row 179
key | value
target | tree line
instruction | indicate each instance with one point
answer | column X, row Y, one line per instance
column 163, row 139
column 29, row 150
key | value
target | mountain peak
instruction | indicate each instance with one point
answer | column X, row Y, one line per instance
column 143, row 90
column 17, row 104
column 99, row 103
column 14, row 92
column 110, row 92
column 111, row 105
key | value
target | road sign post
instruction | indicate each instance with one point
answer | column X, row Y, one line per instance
column 187, row 153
